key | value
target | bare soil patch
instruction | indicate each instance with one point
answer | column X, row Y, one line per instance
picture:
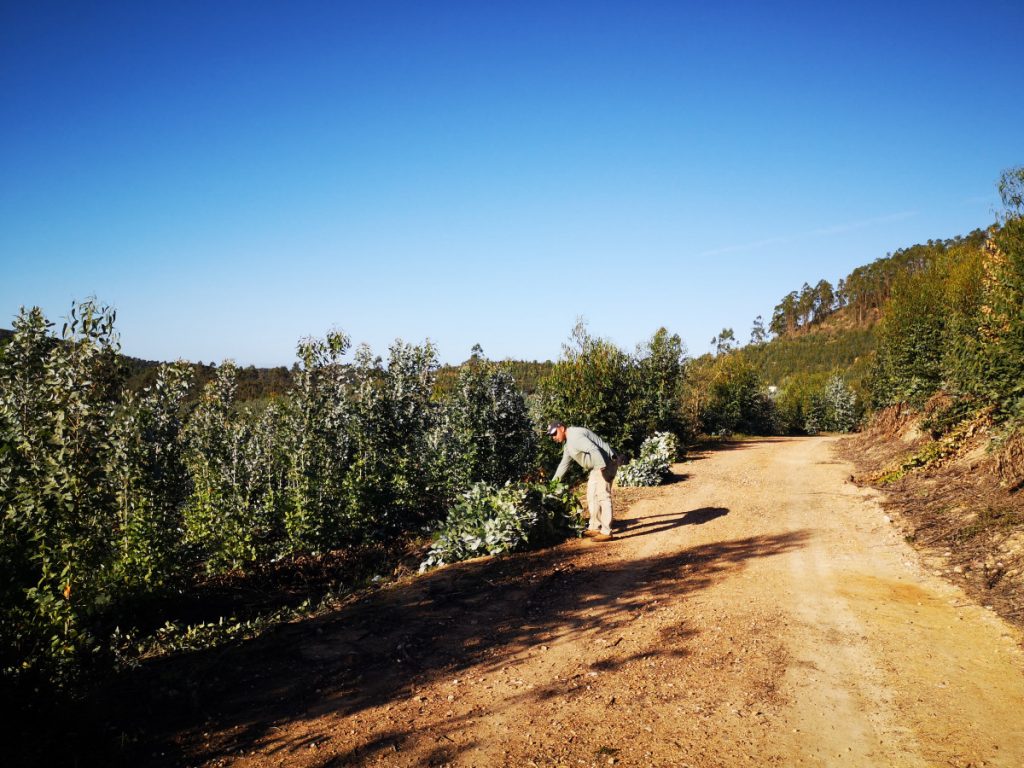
column 963, row 512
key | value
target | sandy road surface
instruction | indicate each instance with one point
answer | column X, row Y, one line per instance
column 758, row 611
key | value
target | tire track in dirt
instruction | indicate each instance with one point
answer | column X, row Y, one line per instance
column 759, row 611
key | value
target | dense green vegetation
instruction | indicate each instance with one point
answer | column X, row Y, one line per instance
column 623, row 397
column 527, row 374
column 956, row 325
column 653, row 464
column 489, row 520
column 884, row 334
column 798, row 369
column 848, row 349
column 117, row 494
column 252, row 383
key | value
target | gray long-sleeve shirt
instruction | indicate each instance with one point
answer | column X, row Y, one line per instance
column 586, row 449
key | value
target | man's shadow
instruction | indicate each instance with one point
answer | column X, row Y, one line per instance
column 641, row 527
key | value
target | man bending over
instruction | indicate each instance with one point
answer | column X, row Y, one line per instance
column 596, row 457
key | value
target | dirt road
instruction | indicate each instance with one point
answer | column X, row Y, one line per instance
column 759, row 610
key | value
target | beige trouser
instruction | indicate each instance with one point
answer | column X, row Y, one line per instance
column 599, row 499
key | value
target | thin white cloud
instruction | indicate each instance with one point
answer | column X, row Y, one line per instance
column 837, row 229
column 978, row 199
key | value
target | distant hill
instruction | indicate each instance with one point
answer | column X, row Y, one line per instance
column 527, row 374
column 262, row 383
column 823, row 349
column 253, row 383
column 820, row 329
column 864, row 292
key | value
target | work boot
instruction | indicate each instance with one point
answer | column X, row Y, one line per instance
column 602, row 537
column 591, row 532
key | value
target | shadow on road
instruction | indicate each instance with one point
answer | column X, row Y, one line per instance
column 380, row 648
column 644, row 526
column 675, row 477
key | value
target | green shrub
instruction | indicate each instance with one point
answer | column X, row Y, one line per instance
column 796, row 398
column 727, row 394
column 387, row 482
column 316, row 440
column 57, row 409
column 482, row 432
column 833, row 409
column 651, row 467
column 493, row 521
column 234, row 515
column 655, row 394
column 586, row 387
column 151, row 482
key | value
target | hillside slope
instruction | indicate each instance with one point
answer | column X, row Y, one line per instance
column 956, row 498
column 821, row 350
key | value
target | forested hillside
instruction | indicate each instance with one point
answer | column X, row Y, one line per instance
column 821, row 351
column 831, row 354
column 940, row 318
column 865, row 291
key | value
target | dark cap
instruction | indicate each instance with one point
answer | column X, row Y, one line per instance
column 553, row 427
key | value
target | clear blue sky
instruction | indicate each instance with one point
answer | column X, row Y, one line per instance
column 233, row 176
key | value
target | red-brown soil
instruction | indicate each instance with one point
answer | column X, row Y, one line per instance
column 759, row 610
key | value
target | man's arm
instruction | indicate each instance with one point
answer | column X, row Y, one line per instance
column 564, row 465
